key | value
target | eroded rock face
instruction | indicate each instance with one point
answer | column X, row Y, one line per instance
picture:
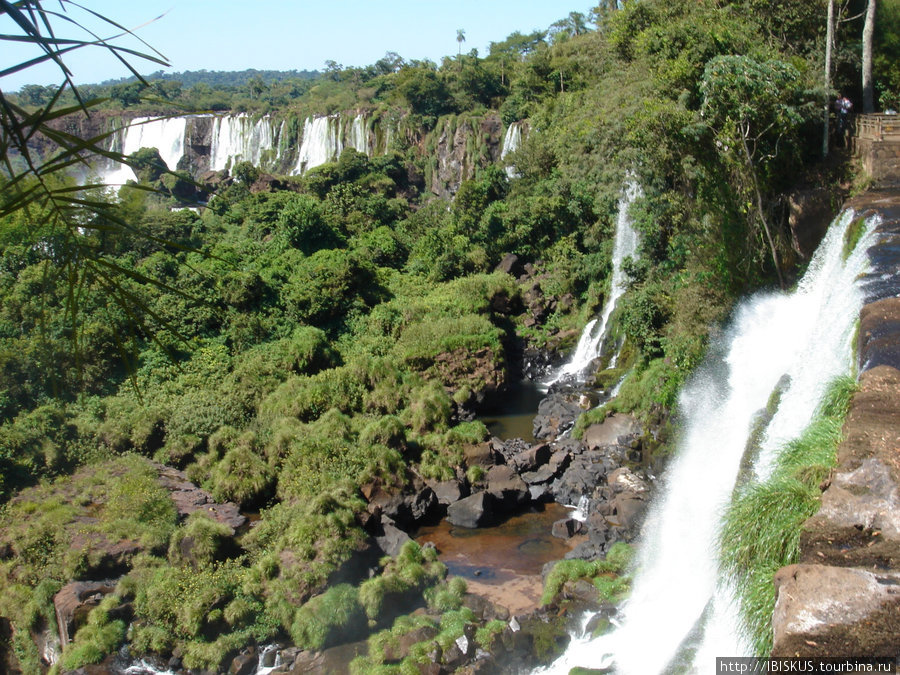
column 74, row 602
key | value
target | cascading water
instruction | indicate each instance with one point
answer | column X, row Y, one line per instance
column 511, row 142
column 806, row 334
column 321, row 143
column 164, row 134
column 625, row 246
column 237, row 138
column 359, row 140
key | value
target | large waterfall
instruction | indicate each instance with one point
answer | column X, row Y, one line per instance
column 677, row 598
column 237, row 138
column 625, row 246
column 321, row 142
column 164, row 134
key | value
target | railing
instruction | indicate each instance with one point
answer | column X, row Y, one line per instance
column 879, row 127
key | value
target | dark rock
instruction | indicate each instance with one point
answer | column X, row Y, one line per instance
column 510, row 264
column 555, row 414
column 189, row 498
column 507, row 487
column 482, row 454
column 407, row 508
column 544, row 474
column 531, row 459
column 391, row 538
column 74, row 602
column 244, row 663
column 476, row 510
column 449, row 491
column 566, row 528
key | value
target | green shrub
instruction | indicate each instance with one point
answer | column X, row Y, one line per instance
column 335, row 614
column 200, row 540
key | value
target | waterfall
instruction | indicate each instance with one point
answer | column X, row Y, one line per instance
column 359, row 140
column 676, row 595
column 237, row 138
column 164, row 134
column 625, row 246
column 321, row 143
column 511, row 142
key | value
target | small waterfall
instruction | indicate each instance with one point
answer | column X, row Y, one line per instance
column 676, row 596
column 237, row 138
column 322, row 143
column 511, row 142
column 359, row 139
column 625, row 246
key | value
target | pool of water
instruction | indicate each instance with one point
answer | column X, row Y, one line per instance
column 521, row 546
column 515, row 412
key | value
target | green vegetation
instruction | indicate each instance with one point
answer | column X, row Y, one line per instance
column 608, row 575
column 303, row 341
column 762, row 526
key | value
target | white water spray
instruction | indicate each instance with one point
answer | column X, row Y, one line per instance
column 237, row 138
column 321, row 143
column 164, row 134
column 807, row 334
column 512, row 139
column 625, row 246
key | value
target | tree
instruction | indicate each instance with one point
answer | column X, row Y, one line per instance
column 868, row 85
column 460, row 38
column 751, row 106
column 829, row 44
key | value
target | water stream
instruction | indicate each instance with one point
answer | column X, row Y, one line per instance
column 625, row 246
column 677, row 597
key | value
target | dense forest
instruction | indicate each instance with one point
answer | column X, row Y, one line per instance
column 301, row 343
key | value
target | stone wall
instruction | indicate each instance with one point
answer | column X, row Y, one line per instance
column 843, row 598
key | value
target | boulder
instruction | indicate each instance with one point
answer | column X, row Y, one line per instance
column 566, row 528
column 476, row 510
column 555, row 414
column 836, row 611
column 449, row 491
column 618, row 429
column 244, row 663
column 390, row 538
column 532, row 458
column 510, row 264
column 507, row 487
column 482, row 454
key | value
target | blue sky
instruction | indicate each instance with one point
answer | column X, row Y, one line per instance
column 285, row 34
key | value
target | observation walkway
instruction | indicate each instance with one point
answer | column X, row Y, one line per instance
column 876, row 142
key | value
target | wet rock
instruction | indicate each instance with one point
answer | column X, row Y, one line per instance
column 474, row 511
column 75, row 601
column 824, row 610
